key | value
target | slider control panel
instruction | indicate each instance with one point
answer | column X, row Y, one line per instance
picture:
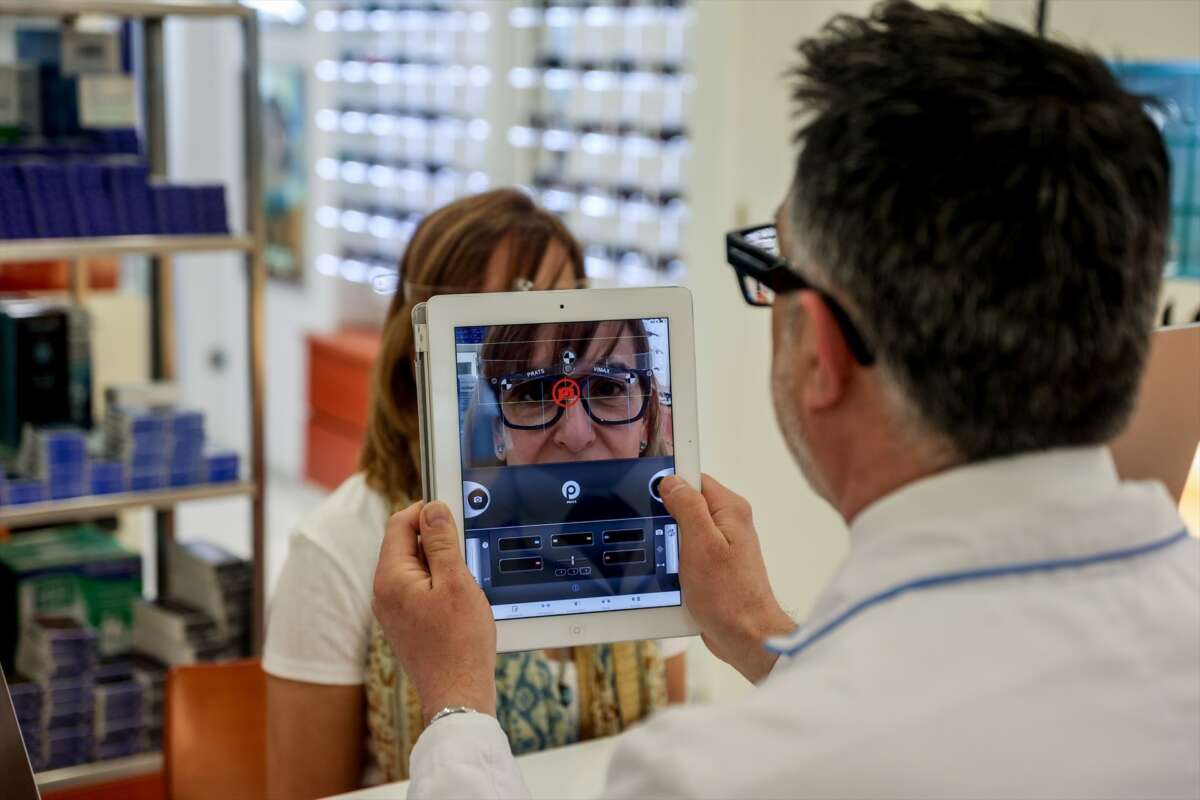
column 539, row 554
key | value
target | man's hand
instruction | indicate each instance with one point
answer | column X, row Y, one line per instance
column 435, row 616
column 723, row 576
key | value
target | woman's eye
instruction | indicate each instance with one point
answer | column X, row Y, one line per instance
column 607, row 388
column 529, row 392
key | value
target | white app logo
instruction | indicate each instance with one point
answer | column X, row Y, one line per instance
column 570, row 491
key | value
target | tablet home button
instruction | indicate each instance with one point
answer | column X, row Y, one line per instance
column 576, row 630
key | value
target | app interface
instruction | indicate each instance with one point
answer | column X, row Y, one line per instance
column 566, row 435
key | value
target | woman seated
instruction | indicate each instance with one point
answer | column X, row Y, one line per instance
column 340, row 711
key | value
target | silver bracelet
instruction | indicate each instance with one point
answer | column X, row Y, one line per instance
column 449, row 711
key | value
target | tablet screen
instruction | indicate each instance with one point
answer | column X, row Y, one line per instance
column 566, row 434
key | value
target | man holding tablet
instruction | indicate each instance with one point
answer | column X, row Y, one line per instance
column 962, row 284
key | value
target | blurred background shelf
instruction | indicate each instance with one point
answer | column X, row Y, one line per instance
column 136, row 10
column 94, row 507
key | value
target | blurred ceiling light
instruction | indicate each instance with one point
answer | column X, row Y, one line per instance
column 354, row 172
column 381, row 227
column 326, row 20
column 597, row 143
column 597, row 205
column 354, row 221
column 354, row 121
column 522, row 136
column 480, row 76
column 327, row 70
column 556, row 140
column 381, row 176
column 560, row 17
column 328, row 168
column 354, row 71
column 600, row 80
column 354, row 270
column 479, row 21
column 329, row 217
column 380, row 20
column 328, row 120
column 599, row 16
column 522, row 78
column 381, row 124
column 559, row 79
column 478, row 182
column 328, row 264
column 353, row 19
column 478, row 129
column 524, row 17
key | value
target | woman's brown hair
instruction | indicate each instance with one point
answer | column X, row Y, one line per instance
column 448, row 253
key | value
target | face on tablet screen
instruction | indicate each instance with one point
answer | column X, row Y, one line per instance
column 566, row 434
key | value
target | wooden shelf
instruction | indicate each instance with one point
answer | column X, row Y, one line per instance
column 92, row 507
column 114, row 769
column 17, row 250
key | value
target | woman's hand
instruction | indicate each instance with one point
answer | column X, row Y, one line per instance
column 435, row 616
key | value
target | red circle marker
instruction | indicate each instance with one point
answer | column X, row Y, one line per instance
column 565, row 392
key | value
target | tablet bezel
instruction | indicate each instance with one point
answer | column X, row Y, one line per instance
column 443, row 314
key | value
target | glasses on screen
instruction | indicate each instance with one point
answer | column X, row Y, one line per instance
column 608, row 395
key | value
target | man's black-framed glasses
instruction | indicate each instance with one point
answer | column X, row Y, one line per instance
column 762, row 274
column 536, row 400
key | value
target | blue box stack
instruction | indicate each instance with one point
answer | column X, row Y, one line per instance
column 185, row 465
column 100, row 195
column 138, row 439
column 21, row 491
column 108, row 477
column 27, row 700
column 151, row 675
column 119, row 711
column 58, row 458
column 222, row 467
column 61, row 654
column 61, row 179
column 162, row 447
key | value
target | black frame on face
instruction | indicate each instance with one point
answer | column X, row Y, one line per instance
column 644, row 377
column 774, row 272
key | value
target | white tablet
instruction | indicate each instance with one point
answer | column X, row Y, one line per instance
column 548, row 420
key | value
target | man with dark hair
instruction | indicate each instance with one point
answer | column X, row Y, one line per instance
column 973, row 244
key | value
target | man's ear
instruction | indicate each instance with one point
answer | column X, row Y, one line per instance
column 830, row 359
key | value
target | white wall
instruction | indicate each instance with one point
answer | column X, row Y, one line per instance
column 742, row 166
column 204, row 143
column 1128, row 29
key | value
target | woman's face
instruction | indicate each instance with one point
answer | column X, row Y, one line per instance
column 576, row 436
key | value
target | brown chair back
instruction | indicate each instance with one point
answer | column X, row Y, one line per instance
column 1160, row 441
column 215, row 731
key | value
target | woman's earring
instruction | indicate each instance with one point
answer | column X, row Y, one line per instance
column 643, row 446
column 499, row 451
